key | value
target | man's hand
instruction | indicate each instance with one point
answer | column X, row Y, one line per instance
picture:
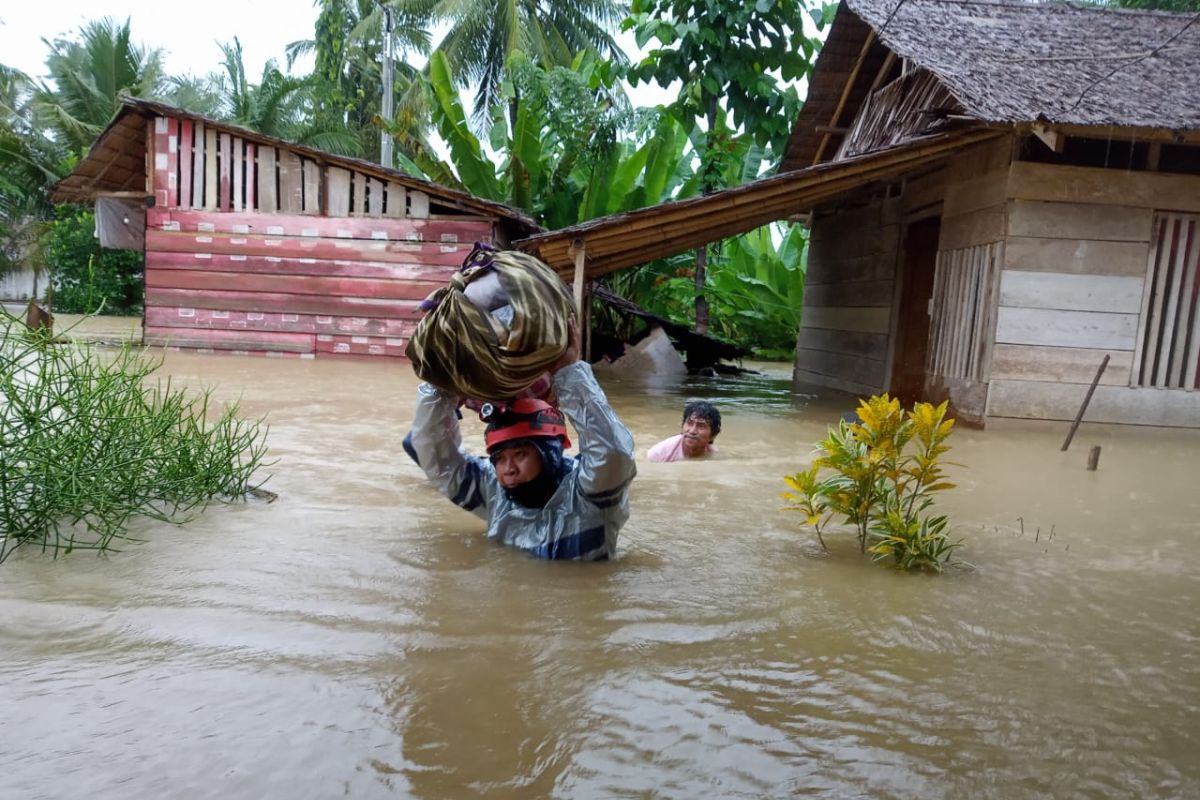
column 571, row 354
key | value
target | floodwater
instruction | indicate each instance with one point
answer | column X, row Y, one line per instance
column 360, row 638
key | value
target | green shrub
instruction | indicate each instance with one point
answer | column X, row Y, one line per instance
column 885, row 469
column 85, row 445
column 87, row 278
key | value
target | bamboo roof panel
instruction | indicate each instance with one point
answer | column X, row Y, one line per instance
column 636, row 237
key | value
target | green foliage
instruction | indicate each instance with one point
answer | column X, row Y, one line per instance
column 881, row 485
column 1181, row 6
column 89, row 76
column 571, row 152
column 484, row 35
column 28, row 162
column 85, row 446
column 755, row 289
column 727, row 53
column 87, row 278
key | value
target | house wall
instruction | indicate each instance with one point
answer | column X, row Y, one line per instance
column 1078, row 243
column 970, row 247
column 255, row 249
column 848, row 297
column 18, row 284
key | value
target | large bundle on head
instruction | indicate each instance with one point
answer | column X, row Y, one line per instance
column 499, row 326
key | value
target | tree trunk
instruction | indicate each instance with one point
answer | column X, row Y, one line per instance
column 706, row 187
column 701, row 300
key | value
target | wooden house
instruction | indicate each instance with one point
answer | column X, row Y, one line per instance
column 1001, row 273
column 258, row 245
column 1000, row 194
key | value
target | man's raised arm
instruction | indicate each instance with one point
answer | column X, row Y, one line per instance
column 606, row 451
column 435, row 443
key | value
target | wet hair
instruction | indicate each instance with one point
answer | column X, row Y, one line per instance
column 705, row 411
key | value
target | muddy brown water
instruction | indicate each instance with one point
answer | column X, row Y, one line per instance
column 360, row 637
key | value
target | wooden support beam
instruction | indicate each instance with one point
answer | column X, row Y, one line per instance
column 849, row 87
column 1050, row 137
column 579, row 253
column 881, row 76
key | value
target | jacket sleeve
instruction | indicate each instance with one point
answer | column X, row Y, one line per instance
column 606, row 449
column 435, row 443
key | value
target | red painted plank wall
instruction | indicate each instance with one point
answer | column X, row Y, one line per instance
column 224, row 273
column 312, row 286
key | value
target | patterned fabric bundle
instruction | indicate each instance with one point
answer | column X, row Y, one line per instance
column 499, row 326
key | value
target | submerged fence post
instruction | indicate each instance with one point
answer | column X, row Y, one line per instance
column 1083, row 407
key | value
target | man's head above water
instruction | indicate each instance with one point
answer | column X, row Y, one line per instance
column 525, row 445
column 701, row 424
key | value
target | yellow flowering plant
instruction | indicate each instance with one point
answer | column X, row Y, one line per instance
column 882, row 472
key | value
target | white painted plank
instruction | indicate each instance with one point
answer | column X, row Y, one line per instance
column 848, row 343
column 418, row 205
column 198, row 166
column 268, row 199
column 397, row 200
column 802, row 377
column 239, row 167
column 865, row 371
column 1079, row 221
column 1110, row 404
column 374, row 197
column 1060, row 364
column 1082, row 256
column 865, row 320
column 1056, row 328
column 1029, row 180
column 337, row 189
column 291, row 183
column 311, row 172
column 1122, row 295
column 210, row 169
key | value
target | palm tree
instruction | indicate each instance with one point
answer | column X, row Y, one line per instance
column 29, row 162
column 89, row 78
column 347, row 83
column 484, row 34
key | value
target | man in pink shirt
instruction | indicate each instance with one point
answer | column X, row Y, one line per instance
column 701, row 424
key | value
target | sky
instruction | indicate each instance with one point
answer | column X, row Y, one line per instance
column 189, row 44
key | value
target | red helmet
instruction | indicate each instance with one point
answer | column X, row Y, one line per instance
column 525, row 418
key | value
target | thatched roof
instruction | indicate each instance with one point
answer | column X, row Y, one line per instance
column 1006, row 61
column 117, row 163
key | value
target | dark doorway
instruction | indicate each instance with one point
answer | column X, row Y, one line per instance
column 919, row 254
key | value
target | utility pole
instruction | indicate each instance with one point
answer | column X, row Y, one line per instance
column 385, row 139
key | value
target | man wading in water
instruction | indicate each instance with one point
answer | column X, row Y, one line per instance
column 700, row 426
column 531, row 495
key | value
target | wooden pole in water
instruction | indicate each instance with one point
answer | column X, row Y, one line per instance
column 579, row 251
column 1093, row 458
column 1083, row 407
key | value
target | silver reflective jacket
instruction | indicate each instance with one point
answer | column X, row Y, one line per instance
column 582, row 518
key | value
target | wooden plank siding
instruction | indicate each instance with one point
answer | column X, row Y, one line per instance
column 1167, row 353
column 1131, row 405
column 1078, row 285
column 970, row 253
column 849, row 288
column 292, row 284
